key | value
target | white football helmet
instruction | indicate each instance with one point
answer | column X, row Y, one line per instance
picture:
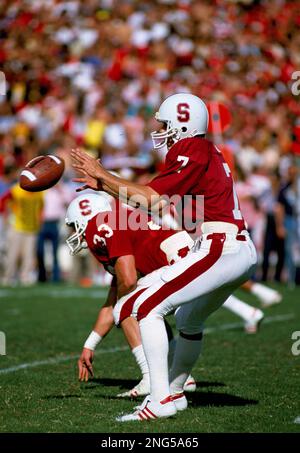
column 80, row 211
column 184, row 114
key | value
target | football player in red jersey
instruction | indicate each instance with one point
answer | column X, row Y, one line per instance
column 128, row 244
column 200, row 283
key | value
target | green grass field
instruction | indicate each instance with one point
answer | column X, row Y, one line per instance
column 246, row 383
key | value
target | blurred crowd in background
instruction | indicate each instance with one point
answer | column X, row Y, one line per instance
column 92, row 73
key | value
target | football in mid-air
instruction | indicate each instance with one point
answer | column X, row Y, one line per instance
column 41, row 173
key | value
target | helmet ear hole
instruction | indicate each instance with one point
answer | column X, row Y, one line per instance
column 184, row 129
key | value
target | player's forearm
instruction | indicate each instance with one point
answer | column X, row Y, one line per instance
column 128, row 191
column 112, row 294
column 105, row 321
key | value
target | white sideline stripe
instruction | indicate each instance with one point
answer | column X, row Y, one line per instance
column 55, row 360
column 53, row 293
column 28, row 174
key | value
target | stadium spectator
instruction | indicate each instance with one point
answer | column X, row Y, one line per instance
column 56, row 200
column 26, row 209
column 92, row 73
column 286, row 210
column 274, row 237
column 6, row 181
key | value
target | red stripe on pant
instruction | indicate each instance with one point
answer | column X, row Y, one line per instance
column 185, row 278
column 127, row 307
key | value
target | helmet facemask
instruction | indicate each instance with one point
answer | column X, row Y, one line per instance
column 167, row 137
column 76, row 241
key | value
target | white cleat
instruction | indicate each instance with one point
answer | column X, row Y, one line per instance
column 180, row 401
column 141, row 389
column 150, row 410
column 190, row 384
column 252, row 325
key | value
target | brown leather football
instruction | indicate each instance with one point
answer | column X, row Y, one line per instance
column 41, row 173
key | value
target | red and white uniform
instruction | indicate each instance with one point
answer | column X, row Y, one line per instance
column 203, row 280
column 194, row 166
column 126, row 231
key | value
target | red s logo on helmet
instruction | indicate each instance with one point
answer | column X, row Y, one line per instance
column 85, row 207
column 183, row 112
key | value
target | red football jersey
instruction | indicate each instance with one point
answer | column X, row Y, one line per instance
column 194, row 166
column 126, row 231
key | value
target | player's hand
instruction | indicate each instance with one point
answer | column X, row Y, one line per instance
column 89, row 168
column 88, row 183
column 85, row 164
column 85, row 367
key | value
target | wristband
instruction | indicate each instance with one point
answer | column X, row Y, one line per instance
column 93, row 339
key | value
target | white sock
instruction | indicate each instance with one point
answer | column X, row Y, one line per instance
column 239, row 308
column 185, row 357
column 262, row 291
column 156, row 348
column 140, row 358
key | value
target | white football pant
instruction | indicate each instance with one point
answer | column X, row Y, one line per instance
column 195, row 287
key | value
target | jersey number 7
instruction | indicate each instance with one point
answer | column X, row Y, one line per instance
column 184, row 160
